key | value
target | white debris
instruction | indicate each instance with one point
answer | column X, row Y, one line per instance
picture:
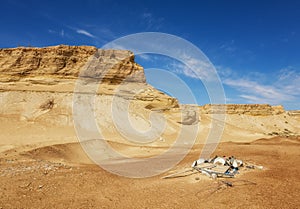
column 219, row 161
column 220, row 166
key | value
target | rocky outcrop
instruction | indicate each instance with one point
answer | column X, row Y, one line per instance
column 113, row 67
column 68, row 62
column 294, row 112
column 39, row 83
column 245, row 109
column 24, row 63
column 155, row 100
column 190, row 115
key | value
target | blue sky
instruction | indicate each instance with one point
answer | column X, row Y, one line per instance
column 254, row 45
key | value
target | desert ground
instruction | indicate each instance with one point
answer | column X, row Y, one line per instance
column 43, row 178
column 43, row 173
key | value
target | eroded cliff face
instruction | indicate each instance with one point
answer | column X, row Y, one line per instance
column 26, row 63
column 37, row 84
column 52, row 65
column 113, row 67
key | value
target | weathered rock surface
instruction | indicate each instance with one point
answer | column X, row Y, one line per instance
column 190, row 115
column 244, row 109
column 26, row 63
column 294, row 113
column 48, row 65
column 37, row 84
column 113, row 67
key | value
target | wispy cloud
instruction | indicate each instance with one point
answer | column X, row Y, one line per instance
column 99, row 34
column 183, row 69
column 229, row 46
column 145, row 57
column 289, row 79
column 101, row 31
column 255, row 92
column 106, row 32
column 194, row 68
column 189, row 66
column 61, row 33
column 285, row 87
column 84, row 32
column 150, row 21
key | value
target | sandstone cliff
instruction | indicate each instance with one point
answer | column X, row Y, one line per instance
column 26, row 63
column 243, row 109
column 52, row 65
column 34, row 78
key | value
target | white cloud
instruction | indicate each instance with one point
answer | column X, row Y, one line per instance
column 147, row 15
column 265, row 91
column 106, row 32
column 51, row 31
column 194, row 68
column 144, row 57
column 61, row 33
column 180, row 68
column 229, row 46
column 225, row 71
column 254, row 99
column 150, row 21
column 285, row 87
column 84, row 32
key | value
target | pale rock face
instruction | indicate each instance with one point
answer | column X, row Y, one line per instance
column 37, row 84
column 114, row 67
column 190, row 115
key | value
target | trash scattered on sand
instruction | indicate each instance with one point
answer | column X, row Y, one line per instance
column 217, row 167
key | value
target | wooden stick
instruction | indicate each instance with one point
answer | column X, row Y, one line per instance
column 174, row 175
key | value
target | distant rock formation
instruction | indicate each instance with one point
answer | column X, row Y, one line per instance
column 245, row 109
column 294, row 112
column 190, row 115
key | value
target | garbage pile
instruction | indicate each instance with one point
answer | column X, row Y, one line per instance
column 221, row 166
column 217, row 167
